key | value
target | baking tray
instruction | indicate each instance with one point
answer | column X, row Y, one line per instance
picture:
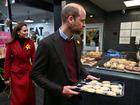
column 90, row 65
column 117, row 70
column 85, row 82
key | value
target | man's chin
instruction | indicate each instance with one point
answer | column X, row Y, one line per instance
column 78, row 32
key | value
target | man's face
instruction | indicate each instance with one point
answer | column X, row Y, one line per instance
column 79, row 23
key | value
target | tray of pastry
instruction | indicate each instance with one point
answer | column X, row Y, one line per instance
column 131, row 69
column 91, row 58
column 121, row 65
column 88, row 61
column 128, row 69
column 102, row 87
column 113, row 69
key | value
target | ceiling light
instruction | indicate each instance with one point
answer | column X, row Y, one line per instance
column 14, row 23
column 28, row 20
column 91, row 16
column 132, row 3
column 1, row 24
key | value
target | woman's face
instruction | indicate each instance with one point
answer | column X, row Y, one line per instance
column 23, row 32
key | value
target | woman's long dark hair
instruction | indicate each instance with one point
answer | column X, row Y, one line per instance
column 17, row 28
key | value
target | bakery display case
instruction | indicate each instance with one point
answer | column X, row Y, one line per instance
column 130, row 82
column 117, row 63
column 120, row 65
column 91, row 58
column 117, row 70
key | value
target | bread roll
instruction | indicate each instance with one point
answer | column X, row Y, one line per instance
column 114, row 65
column 99, row 91
column 111, row 93
column 117, row 91
column 106, row 82
column 130, row 68
column 136, row 69
column 93, row 82
column 115, row 86
column 106, row 85
column 121, row 66
column 105, row 88
column 86, row 87
column 91, row 90
column 97, row 87
column 107, row 64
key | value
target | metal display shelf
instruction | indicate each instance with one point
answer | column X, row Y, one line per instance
column 128, row 75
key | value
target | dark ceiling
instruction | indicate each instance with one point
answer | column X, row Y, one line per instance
column 21, row 7
column 111, row 5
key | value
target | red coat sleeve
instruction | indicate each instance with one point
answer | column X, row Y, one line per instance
column 7, row 62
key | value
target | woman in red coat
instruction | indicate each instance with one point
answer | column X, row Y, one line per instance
column 20, row 54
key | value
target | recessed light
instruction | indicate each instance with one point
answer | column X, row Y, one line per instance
column 132, row 3
column 91, row 16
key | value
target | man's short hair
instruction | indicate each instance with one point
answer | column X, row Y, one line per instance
column 70, row 10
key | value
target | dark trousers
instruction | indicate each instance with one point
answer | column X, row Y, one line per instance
column 59, row 100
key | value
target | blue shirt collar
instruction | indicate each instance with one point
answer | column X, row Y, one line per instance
column 64, row 36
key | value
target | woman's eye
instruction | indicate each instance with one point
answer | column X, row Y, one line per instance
column 25, row 30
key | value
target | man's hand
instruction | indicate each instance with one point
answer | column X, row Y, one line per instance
column 90, row 77
column 68, row 92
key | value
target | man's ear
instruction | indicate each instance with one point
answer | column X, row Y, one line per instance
column 71, row 19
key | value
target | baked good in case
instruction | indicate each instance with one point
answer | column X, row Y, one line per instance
column 105, row 88
column 111, row 93
column 106, row 82
column 115, row 86
column 117, row 91
column 91, row 90
column 106, row 85
column 136, row 69
column 99, row 91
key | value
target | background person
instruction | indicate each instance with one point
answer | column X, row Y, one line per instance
column 20, row 54
column 33, row 36
column 57, row 65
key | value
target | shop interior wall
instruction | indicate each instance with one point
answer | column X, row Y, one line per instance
column 112, row 29
column 112, row 32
